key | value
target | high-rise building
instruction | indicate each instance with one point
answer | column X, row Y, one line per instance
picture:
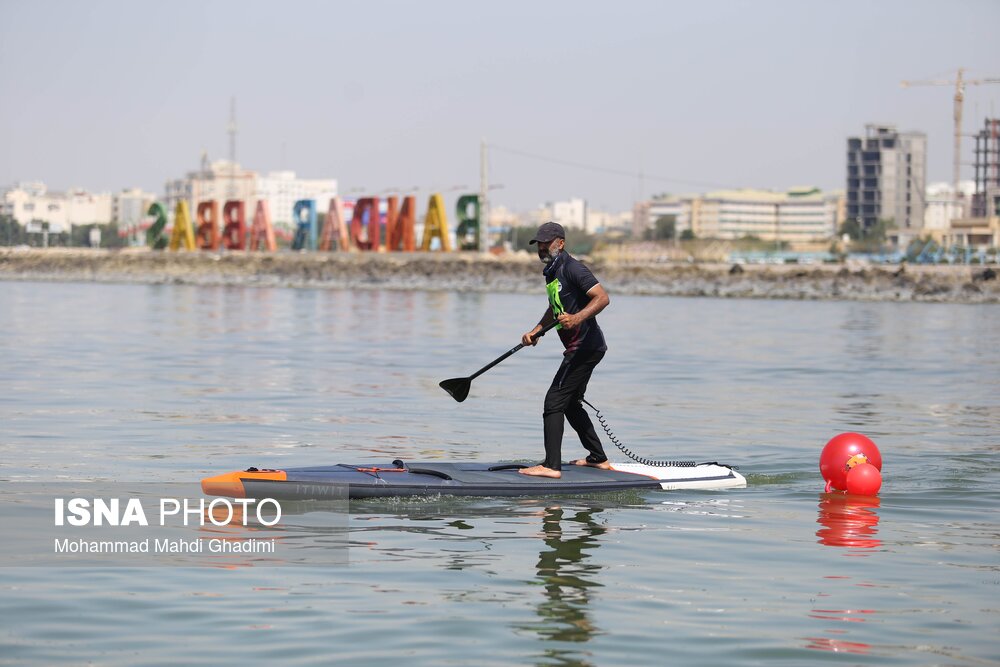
column 887, row 179
column 986, row 200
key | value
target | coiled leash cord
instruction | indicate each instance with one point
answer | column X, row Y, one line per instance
column 628, row 452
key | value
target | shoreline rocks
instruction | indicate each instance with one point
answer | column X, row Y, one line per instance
column 474, row 272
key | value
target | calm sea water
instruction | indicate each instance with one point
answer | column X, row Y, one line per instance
column 173, row 383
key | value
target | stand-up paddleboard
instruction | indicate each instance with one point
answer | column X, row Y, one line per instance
column 462, row 479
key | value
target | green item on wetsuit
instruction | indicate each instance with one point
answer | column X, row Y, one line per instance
column 554, row 301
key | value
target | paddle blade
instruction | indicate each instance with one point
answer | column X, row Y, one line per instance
column 457, row 387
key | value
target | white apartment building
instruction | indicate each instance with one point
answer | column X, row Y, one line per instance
column 800, row 215
column 282, row 189
column 223, row 180
column 30, row 202
column 941, row 205
column 129, row 207
column 571, row 214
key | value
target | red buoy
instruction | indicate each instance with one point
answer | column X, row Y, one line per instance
column 843, row 453
column 864, row 479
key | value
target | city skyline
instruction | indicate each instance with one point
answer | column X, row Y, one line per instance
column 574, row 100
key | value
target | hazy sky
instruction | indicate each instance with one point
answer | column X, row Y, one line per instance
column 379, row 95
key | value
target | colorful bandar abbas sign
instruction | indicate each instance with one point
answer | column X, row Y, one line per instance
column 367, row 224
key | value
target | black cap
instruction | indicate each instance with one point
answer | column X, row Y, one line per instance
column 548, row 232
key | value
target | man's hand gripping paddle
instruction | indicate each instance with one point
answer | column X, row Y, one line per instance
column 459, row 387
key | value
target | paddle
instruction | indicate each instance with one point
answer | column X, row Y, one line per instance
column 459, row 387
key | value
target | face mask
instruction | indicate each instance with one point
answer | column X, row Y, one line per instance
column 547, row 256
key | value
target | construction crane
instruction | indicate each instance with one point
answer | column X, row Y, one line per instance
column 960, row 83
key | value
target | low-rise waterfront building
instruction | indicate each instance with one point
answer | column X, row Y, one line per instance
column 33, row 202
column 798, row 216
column 981, row 233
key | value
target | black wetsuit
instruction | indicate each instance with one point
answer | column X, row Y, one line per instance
column 567, row 281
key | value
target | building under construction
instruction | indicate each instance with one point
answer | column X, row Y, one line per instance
column 986, row 200
column 887, row 179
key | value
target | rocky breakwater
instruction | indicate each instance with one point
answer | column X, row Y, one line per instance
column 505, row 273
column 862, row 282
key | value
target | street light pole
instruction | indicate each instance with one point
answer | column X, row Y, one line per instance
column 484, row 218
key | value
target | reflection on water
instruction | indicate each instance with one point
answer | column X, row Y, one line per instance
column 175, row 383
column 559, row 540
column 848, row 521
column 837, row 645
column 833, row 619
column 562, row 570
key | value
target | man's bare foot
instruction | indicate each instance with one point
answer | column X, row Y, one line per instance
column 603, row 465
column 540, row 471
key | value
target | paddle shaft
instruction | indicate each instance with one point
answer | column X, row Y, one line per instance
column 510, row 352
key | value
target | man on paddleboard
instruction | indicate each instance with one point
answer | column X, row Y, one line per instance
column 575, row 299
